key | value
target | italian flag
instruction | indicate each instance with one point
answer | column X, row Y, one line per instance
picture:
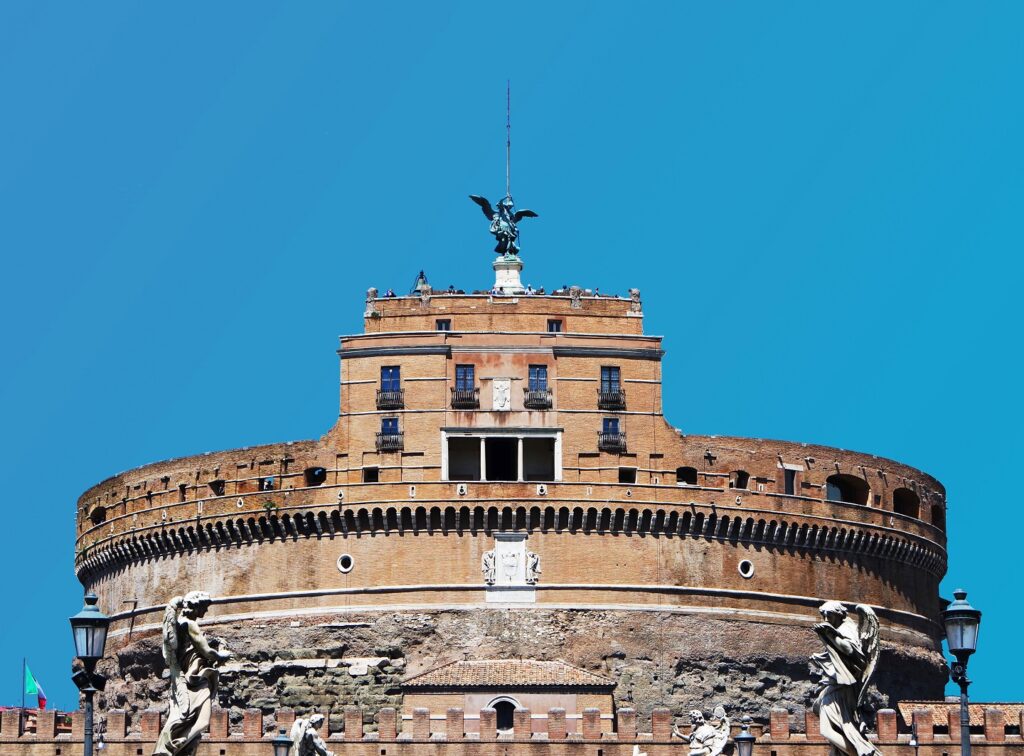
column 33, row 688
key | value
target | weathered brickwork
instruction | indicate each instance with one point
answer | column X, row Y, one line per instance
column 686, row 568
column 378, row 733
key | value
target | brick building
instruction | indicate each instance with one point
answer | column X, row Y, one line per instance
column 500, row 485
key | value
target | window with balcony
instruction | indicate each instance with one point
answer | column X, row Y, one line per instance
column 538, row 395
column 610, row 438
column 610, row 394
column 465, row 394
column 389, row 438
column 390, row 395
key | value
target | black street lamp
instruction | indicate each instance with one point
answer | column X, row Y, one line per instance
column 744, row 741
column 961, row 621
column 89, row 628
column 282, row 745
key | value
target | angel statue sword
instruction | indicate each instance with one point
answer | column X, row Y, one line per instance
column 503, row 223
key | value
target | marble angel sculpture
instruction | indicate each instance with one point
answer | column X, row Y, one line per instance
column 192, row 662
column 706, row 738
column 306, row 741
column 846, row 666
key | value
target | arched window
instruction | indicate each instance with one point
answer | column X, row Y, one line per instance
column 686, row 476
column 739, row 479
column 315, row 476
column 939, row 517
column 98, row 515
column 505, row 709
column 848, row 488
column 905, row 502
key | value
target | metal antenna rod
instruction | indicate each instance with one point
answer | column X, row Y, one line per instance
column 508, row 137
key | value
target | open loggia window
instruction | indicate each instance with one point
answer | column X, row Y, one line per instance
column 501, row 458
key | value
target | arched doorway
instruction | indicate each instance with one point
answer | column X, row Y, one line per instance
column 505, row 709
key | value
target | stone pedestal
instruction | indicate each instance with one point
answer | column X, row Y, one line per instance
column 506, row 275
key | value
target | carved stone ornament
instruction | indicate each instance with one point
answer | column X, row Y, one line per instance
column 306, row 741
column 532, row 568
column 634, row 300
column 706, row 738
column 371, row 307
column 846, row 666
column 487, row 567
column 501, row 394
column 575, row 292
column 192, row 662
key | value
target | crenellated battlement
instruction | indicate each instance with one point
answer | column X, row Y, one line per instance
column 360, row 732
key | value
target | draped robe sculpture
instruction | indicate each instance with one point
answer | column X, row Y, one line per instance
column 846, row 666
column 705, row 738
column 306, row 741
column 192, row 661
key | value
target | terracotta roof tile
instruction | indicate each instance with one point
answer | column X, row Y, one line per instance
column 507, row 673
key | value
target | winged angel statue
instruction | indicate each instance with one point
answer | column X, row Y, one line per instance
column 503, row 223
column 192, row 663
column 846, row 666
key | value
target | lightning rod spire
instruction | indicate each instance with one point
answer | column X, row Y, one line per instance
column 508, row 137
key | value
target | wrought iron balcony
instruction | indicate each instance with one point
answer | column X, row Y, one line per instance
column 466, row 398
column 611, row 400
column 611, row 442
column 390, row 399
column 537, row 398
column 387, row 442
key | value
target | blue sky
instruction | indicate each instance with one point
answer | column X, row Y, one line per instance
column 820, row 204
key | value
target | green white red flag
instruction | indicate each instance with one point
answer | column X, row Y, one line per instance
column 33, row 688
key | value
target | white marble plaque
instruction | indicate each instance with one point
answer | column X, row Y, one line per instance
column 510, row 585
column 501, row 393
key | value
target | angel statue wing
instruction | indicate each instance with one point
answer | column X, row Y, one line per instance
column 721, row 738
column 867, row 631
column 520, row 214
column 169, row 633
column 484, row 205
column 298, row 734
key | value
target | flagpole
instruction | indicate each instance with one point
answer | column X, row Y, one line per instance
column 23, row 683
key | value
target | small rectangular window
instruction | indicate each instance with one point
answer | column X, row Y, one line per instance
column 465, row 377
column 610, row 425
column 554, row 326
column 610, row 380
column 538, row 377
column 790, row 478
column 390, row 378
column 389, row 426
column 627, row 475
column 371, row 475
column 443, row 324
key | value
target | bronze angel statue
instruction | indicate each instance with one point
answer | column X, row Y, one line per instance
column 192, row 665
column 846, row 666
column 503, row 223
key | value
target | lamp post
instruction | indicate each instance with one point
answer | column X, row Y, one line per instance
column 744, row 741
column 89, row 628
column 282, row 745
column 961, row 621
